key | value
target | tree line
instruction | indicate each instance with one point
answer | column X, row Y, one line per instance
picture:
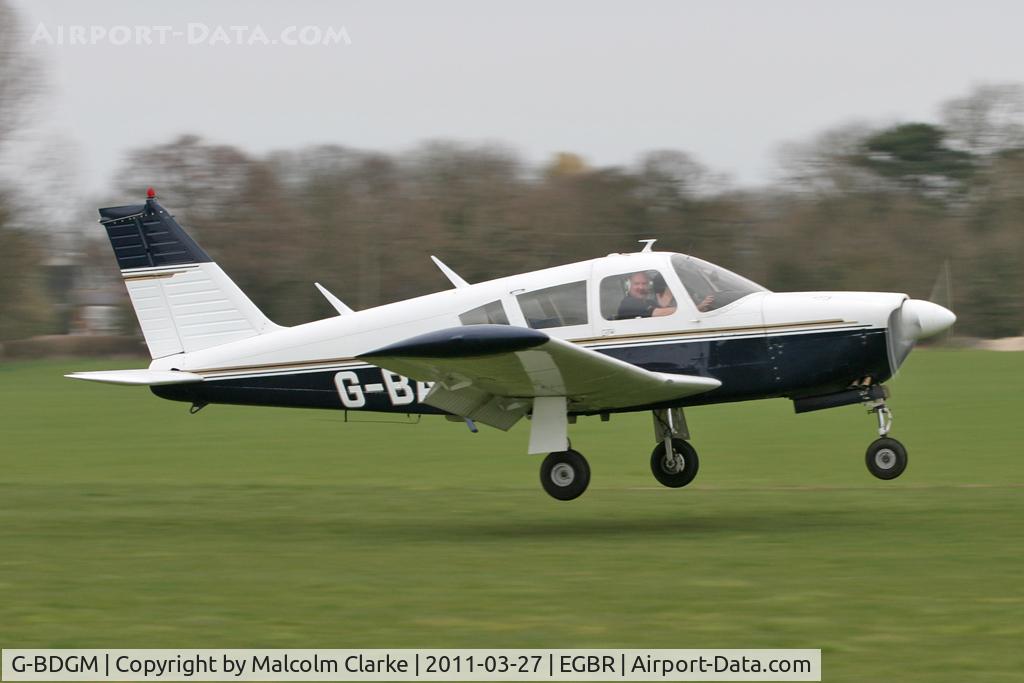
column 934, row 209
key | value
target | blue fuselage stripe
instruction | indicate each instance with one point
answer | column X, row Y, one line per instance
column 749, row 367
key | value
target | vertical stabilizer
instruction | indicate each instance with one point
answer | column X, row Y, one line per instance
column 183, row 300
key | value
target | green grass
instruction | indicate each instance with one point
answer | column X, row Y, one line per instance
column 126, row 522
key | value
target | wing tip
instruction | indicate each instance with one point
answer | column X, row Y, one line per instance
column 698, row 383
column 709, row 382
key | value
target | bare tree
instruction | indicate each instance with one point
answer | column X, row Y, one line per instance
column 19, row 73
column 821, row 165
column 988, row 120
column 23, row 307
column 196, row 177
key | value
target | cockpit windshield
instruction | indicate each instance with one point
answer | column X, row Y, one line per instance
column 710, row 286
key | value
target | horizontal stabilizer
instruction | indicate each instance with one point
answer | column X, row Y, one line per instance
column 138, row 377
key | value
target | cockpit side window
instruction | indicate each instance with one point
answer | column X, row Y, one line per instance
column 639, row 294
column 491, row 313
column 711, row 286
column 559, row 306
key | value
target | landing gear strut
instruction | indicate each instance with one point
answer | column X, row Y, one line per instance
column 886, row 458
column 674, row 461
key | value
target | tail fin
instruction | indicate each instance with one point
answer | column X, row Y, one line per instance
column 183, row 300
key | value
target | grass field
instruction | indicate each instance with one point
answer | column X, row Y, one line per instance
column 126, row 522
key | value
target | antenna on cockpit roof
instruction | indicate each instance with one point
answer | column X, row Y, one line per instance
column 648, row 244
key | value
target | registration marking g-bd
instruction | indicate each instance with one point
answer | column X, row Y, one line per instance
column 400, row 390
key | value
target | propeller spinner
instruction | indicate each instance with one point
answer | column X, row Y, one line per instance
column 914, row 320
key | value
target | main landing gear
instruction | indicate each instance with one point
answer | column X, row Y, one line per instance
column 674, row 461
column 565, row 475
column 885, row 458
column 679, row 468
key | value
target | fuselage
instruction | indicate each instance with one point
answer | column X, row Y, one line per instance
column 759, row 344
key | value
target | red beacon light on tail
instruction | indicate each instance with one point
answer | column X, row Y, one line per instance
column 150, row 193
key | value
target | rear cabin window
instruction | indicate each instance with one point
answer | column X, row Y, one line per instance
column 711, row 286
column 638, row 294
column 492, row 313
column 559, row 306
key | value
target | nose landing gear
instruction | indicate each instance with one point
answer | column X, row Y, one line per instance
column 886, row 458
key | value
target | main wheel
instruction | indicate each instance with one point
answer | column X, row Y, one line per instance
column 565, row 474
column 886, row 458
column 679, row 469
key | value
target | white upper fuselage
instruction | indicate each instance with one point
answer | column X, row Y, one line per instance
column 338, row 340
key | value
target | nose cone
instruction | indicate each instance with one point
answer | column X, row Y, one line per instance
column 931, row 318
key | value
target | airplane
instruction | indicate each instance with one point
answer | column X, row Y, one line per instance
column 584, row 339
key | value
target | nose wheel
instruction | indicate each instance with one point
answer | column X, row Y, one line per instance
column 886, row 458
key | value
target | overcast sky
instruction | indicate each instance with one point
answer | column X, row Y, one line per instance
column 726, row 81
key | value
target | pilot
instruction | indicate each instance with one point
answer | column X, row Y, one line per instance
column 638, row 302
column 709, row 291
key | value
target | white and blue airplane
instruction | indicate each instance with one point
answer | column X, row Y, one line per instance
column 650, row 330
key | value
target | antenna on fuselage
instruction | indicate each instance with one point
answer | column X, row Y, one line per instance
column 648, row 245
column 452, row 276
column 338, row 304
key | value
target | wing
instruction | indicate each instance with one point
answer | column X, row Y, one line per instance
column 493, row 373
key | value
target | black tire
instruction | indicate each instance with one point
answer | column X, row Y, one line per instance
column 565, row 474
column 679, row 474
column 886, row 458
